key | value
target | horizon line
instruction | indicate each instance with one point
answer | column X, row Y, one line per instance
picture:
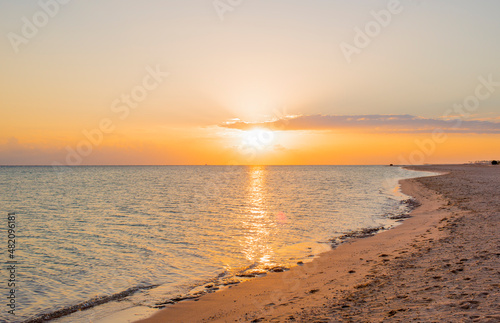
column 156, row 165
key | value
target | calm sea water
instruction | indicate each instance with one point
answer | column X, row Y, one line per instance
column 96, row 231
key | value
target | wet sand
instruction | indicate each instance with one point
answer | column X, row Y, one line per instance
column 442, row 264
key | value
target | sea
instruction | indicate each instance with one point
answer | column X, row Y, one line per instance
column 148, row 236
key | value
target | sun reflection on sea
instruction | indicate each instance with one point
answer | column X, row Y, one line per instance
column 258, row 225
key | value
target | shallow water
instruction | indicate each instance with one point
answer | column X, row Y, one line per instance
column 84, row 232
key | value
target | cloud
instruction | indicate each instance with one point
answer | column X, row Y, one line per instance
column 373, row 123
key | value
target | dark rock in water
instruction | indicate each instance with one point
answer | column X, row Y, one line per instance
column 177, row 299
column 300, row 262
column 368, row 232
column 399, row 216
column 252, row 272
column 212, row 289
column 412, row 203
column 494, row 162
column 363, row 233
column 163, row 304
column 278, row 269
column 230, row 282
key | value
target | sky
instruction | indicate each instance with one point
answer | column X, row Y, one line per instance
column 272, row 82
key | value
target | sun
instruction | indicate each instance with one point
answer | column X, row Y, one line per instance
column 258, row 138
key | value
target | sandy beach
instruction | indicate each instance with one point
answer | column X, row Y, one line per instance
column 441, row 264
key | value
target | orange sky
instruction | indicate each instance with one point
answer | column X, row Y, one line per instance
column 169, row 83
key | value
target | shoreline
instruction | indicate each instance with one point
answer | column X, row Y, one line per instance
column 286, row 296
column 449, row 274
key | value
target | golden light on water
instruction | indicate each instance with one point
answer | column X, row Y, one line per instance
column 258, row 224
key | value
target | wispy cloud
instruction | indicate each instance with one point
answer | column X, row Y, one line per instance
column 373, row 123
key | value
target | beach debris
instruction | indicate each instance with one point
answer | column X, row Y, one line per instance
column 399, row 216
column 248, row 275
column 252, row 272
column 466, row 305
column 230, row 282
column 193, row 296
column 408, row 206
column 363, row 233
column 278, row 269
column 393, row 312
column 411, row 203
